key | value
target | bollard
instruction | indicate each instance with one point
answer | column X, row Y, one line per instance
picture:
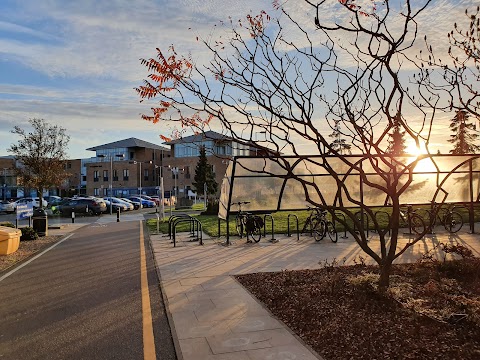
column 158, row 224
column 73, row 217
column 118, row 214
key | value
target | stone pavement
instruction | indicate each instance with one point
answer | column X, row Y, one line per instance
column 214, row 317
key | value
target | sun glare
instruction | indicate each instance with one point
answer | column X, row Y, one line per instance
column 412, row 149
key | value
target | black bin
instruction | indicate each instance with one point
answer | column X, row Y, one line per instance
column 40, row 222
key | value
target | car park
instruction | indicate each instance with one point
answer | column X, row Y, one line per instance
column 145, row 203
column 7, row 206
column 155, row 200
column 28, row 200
column 53, row 200
column 117, row 201
column 115, row 206
column 136, row 204
column 90, row 206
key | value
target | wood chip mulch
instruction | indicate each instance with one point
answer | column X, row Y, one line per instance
column 431, row 310
column 27, row 249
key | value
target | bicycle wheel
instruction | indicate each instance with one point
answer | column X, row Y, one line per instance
column 453, row 222
column 255, row 234
column 417, row 224
column 332, row 232
column 239, row 225
column 319, row 230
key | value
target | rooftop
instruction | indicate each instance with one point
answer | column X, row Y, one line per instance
column 129, row 143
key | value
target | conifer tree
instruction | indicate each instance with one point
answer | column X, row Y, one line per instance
column 396, row 139
column 463, row 138
column 204, row 175
column 338, row 143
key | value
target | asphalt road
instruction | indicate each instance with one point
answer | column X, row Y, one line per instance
column 83, row 300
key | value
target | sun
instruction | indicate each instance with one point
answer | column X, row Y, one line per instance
column 412, row 149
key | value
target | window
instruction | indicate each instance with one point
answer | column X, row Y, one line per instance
column 95, row 175
column 69, row 165
column 105, row 192
column 132, row 155
column 105, row 175
column 96, row 192
column 115, row 175
column 145, row 174
column 126, row 174
column 187, row 172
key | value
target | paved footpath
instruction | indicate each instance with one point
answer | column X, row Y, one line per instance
column 214, row 317
column 86, row 298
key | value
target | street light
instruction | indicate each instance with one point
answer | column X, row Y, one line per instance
column 175, row 171
column 140, row 177
column 5, row 183
column 163, row 191
column 111, row 176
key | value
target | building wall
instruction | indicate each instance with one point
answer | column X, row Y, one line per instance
column 8, row 179
column 146, row 159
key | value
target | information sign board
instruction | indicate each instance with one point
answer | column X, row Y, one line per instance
column 24, row 211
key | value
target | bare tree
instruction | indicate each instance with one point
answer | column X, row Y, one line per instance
column 297, row 78
column 41, row 155
column 459, row 80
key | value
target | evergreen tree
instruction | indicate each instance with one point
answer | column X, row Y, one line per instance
column 463, row 137
column 339, row 144
column 204, row 175
column 396, row 139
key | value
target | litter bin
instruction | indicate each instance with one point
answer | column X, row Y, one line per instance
column 40, row 222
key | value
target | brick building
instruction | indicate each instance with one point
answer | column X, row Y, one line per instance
column 129, row 166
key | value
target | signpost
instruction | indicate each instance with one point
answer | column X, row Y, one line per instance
column 24, row 211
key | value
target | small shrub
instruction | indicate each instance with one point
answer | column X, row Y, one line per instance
column 28, row 234
column 7, row 224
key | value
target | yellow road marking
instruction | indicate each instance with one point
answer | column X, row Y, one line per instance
column 148, row 339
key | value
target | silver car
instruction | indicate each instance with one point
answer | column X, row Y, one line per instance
column 7, row 206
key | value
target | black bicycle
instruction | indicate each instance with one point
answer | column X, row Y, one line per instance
column 451, row 220
column 319, row 226
column 412, row 219
column 248, row 223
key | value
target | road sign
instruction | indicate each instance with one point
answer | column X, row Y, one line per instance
column 24, row 211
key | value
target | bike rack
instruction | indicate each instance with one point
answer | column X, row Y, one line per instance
column 288, row 226
column 172, row 218
column 344, row 220
column 362, row 217
column 192, row 223
column 190, row 220
column 272, row 221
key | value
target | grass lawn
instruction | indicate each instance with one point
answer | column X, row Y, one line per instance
column 210, row 222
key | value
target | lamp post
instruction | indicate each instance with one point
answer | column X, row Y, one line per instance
column 163, row 192
column 140, row 175
column 5, row 183
column 111, row 177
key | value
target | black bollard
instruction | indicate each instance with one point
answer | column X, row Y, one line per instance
column 73, row 217
column 118, row 214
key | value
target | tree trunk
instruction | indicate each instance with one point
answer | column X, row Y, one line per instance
column 385, row 270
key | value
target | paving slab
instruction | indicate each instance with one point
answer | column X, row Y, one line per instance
column 214, row 317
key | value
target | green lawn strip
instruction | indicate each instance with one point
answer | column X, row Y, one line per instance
column 210, row 222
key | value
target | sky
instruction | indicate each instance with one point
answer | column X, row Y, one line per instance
column 76, row 63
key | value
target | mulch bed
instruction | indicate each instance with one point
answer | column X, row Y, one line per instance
column 26, row 249
column 431, row 310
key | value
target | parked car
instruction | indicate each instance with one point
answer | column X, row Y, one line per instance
column 145, row 203
column 53, row 200
column 136, row 204
column 115, row 200
column 156, row 201
column 7, row 206
column 35, row 201
column 115, row 206
column 90, row 206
